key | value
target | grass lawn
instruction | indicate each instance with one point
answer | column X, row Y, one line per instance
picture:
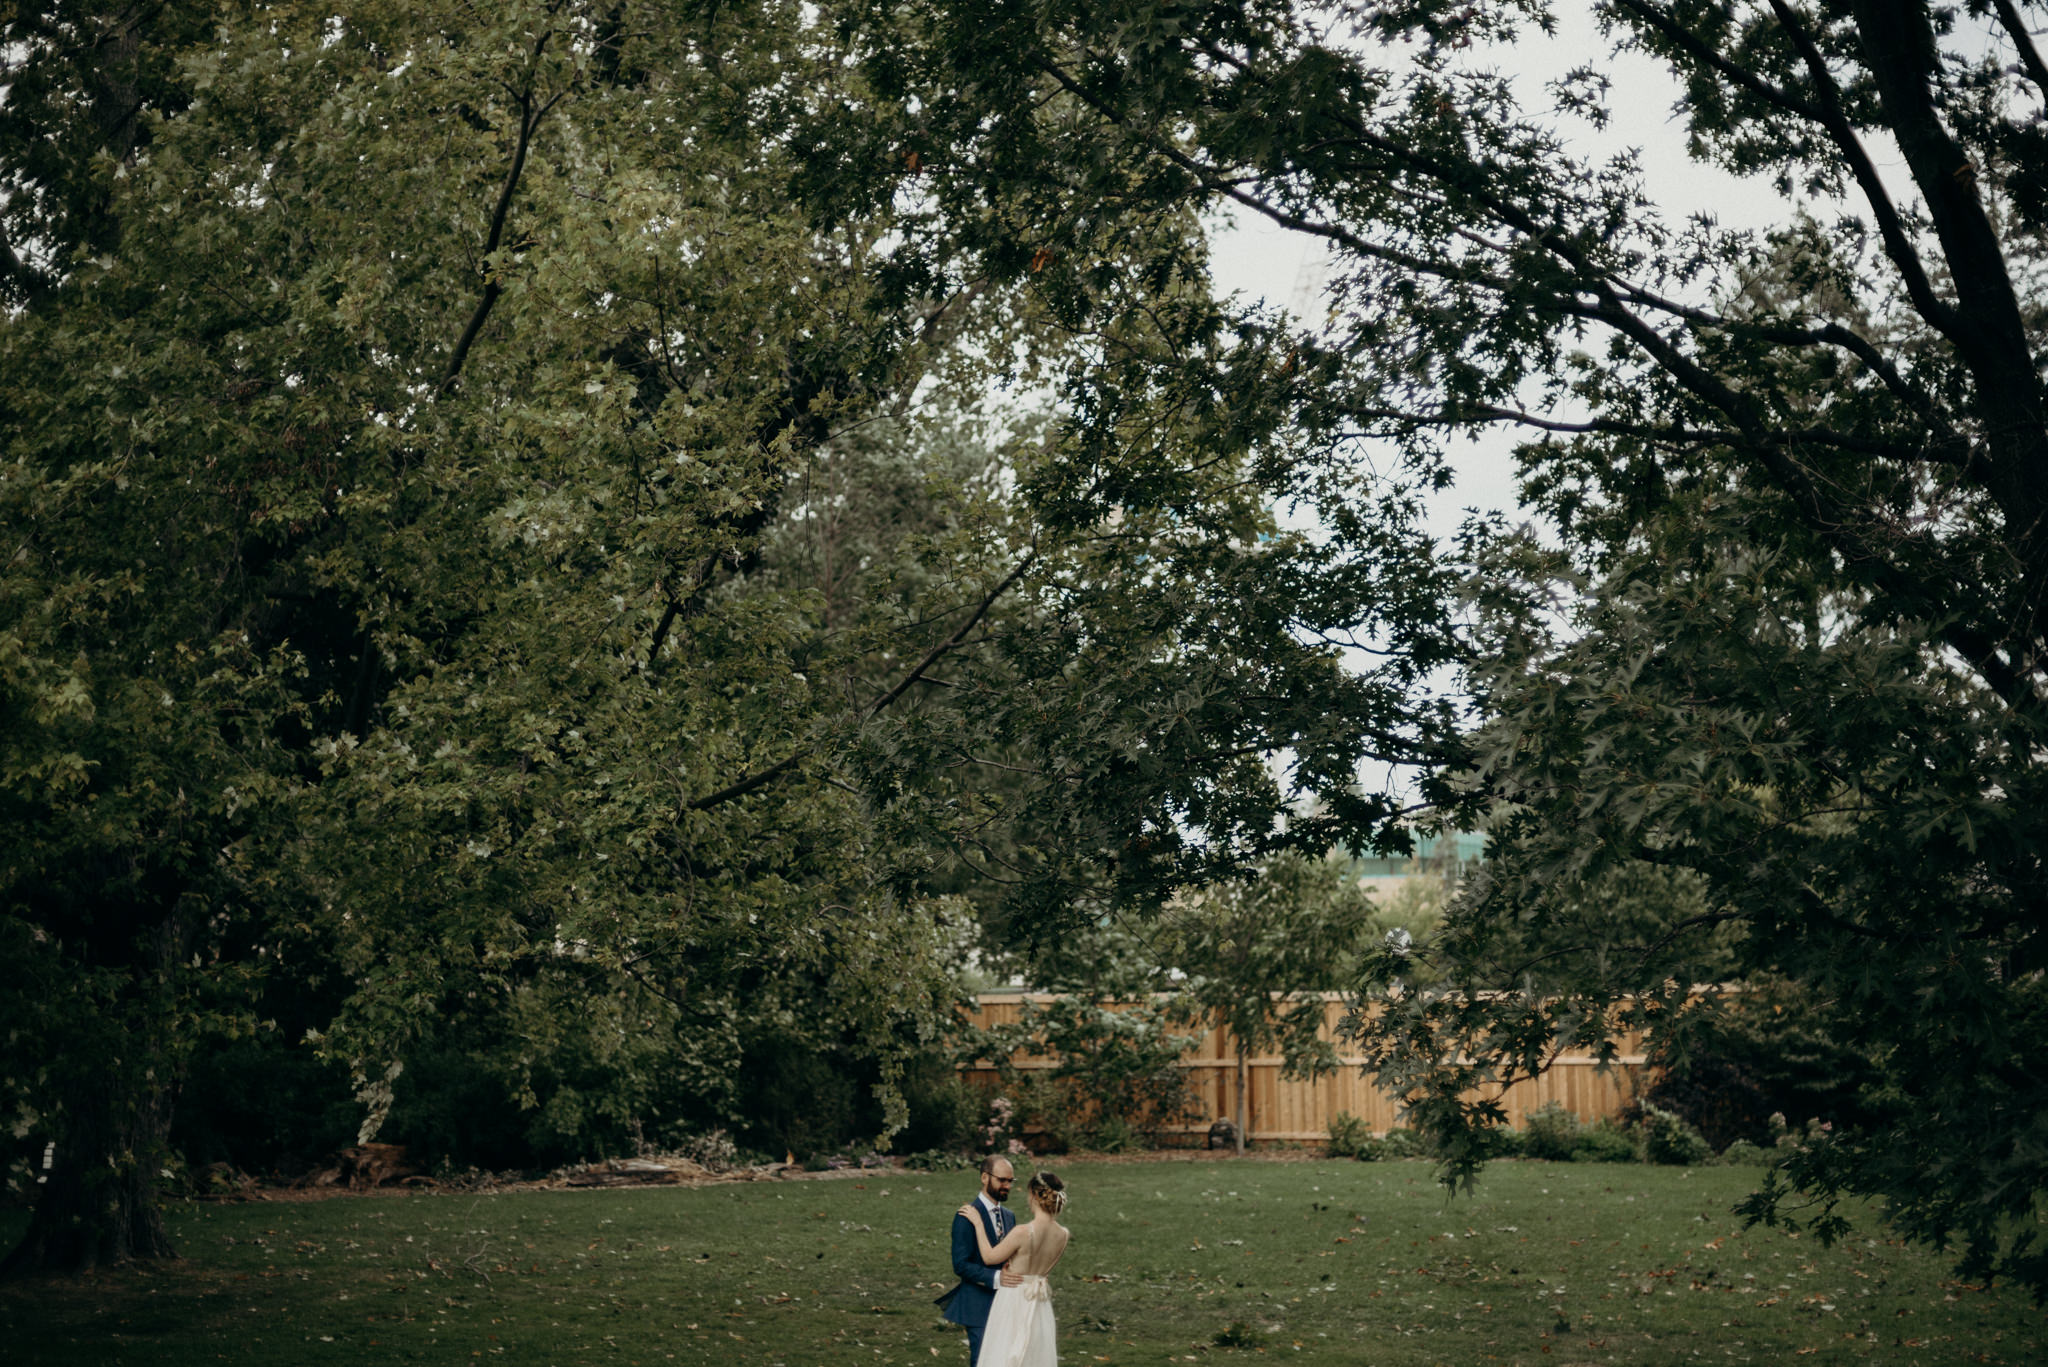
column 1172, row 1260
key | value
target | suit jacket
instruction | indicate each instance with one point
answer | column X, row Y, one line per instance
column 968, row 1302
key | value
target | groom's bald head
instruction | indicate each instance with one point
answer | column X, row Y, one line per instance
column 996, row 1177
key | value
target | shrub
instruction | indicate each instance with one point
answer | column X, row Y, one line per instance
column 1788, row 1139
column 1046, row 1108
column 451, row 1114
column 264, row 1104
column 1743, row 1154
column 796, row 1097
column 1401, row 1143
column 1348, row 1136
column 1002, row 1121
column 938, row 1160
column 1552, row 1133
column 1668, row 1139
column 1114, row 1134
column 943, row 1110
column 712, row 1150
column 1732, row 1059
column 1605, row 1142
column 1502, row 1142
column 1109, row 1065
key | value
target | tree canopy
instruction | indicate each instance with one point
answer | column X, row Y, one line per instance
column 500, row 523
column 1783, row 632
column 501, row 537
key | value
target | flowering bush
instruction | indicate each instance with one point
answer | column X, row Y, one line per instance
column 1668, row 1139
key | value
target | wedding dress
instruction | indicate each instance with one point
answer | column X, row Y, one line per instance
column 1021, row 1331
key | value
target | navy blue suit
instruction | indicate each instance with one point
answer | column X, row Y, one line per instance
column 968, row 1303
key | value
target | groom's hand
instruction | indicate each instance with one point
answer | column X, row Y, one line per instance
column 1011, row 1276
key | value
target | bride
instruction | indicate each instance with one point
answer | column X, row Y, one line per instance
column 1020, row 1329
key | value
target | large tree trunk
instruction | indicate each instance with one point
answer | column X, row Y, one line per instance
column 98, row 1207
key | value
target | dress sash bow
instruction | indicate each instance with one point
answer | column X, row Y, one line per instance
column 1037, row 1297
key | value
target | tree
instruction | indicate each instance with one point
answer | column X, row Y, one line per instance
column 1790, row 633
column 480, row 547
column 342, row 419
column 1255, row 954
column 1259, row 954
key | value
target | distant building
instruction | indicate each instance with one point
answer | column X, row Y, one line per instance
column 1447, row 857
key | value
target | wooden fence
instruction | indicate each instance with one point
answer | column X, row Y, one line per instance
column 1299, row 1110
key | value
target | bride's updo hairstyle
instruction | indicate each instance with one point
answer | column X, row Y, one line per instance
column 1049, row 1191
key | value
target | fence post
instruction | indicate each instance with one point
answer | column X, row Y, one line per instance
column 1244, row 1091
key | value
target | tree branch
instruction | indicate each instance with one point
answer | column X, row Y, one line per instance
column 1819, row 508
column 1732, row 72
column 788, row 762
column 1671, row 434
column 1831, row 334
column 14, row 272
column 932, row 657
column 1891, row 227
column 654, row 643
column 1897, row 46
column 2030, row 56
column 749, row 783
column 530, row 118
column 1513, row 216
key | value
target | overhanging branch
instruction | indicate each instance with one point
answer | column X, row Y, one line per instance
column 763, row 777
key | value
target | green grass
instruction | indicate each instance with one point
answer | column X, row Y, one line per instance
column 1314, row 1262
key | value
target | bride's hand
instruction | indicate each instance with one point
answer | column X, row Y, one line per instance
column 966, row 1210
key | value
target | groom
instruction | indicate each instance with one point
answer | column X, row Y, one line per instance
column 967, row 1304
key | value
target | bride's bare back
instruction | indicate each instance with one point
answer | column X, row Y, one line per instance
column 1044, row 1244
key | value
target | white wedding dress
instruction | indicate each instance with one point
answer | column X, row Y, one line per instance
column 1021, row 1331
